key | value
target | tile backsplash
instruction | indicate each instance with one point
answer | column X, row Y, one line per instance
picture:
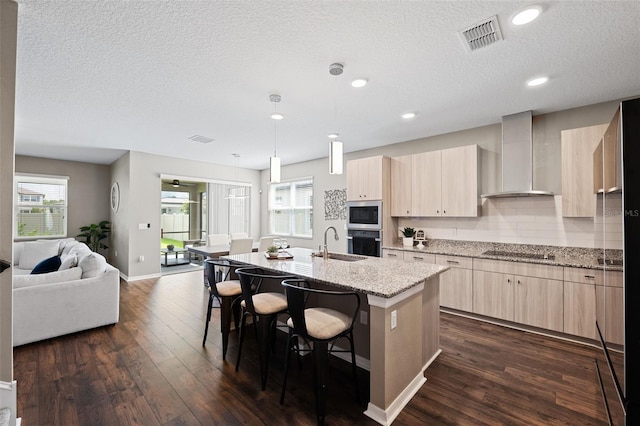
column 531, row 220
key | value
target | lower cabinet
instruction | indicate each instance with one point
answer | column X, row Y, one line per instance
column 413, row 256
column 580, row 309
column 456, row 284
column 525, row 293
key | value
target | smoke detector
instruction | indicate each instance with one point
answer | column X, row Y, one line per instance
column 336, row 69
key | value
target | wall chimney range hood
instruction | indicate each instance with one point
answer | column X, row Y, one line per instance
column 517, row 158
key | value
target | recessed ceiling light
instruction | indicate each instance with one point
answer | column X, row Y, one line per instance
column 277, row 116
column 527, row 15
column 408, row 115
column 333, row 135
column 538, row 81
column 359, row 82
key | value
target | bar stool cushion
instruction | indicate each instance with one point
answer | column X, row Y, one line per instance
column 324, row 323
column 268, row 303
column 229, row 288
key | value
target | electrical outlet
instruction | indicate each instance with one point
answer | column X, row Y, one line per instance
column 141, row 259
column 394, row 319
column 116, row 253
column 455, row 232
column 364, row 317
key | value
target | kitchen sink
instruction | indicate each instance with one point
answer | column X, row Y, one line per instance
column 520, row 255
column 341, row 256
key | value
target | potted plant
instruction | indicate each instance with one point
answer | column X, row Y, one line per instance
column 94, row 234
column 408, row 233
column 272, row 251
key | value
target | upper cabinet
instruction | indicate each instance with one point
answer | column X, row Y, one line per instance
column 578, row 146
column 607, row 159
column 436, row 183
column 365, row 179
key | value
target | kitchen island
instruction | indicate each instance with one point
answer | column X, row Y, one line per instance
column 403, row 319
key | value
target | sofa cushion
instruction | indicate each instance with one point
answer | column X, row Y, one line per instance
column 50, row 264
column 33, row 252
column 52, row 277
column 92, row 265
column 68, row 261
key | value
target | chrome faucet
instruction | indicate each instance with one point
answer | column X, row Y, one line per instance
column 325, row 252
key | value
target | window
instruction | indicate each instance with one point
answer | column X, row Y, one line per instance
column 41, row 206
column 291, row 208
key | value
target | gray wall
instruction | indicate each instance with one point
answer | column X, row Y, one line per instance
column 88, row 188
column 546, row 147
column 140, row 174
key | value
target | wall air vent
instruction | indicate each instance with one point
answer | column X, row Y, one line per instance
column 481, row 34
column 201, row 139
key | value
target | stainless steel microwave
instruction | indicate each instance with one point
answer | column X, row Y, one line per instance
column 364, row 215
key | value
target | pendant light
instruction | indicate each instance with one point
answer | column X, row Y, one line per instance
column 335, row 145
column 233, row 191
column 274, row 162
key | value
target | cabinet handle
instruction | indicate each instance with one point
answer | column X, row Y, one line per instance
column 509, row 280
column 454, row 262
column 444, row 212
column 418, row 258
column 392, row 255
column 438, row 211
column 590, row 277
column 519, row 282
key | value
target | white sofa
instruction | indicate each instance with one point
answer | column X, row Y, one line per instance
column 83, row 294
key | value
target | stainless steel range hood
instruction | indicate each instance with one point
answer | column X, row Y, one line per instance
column 517, row 158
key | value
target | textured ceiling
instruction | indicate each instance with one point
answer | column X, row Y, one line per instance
column 97, row 78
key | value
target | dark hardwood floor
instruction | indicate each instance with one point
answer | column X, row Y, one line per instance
column 151, row 369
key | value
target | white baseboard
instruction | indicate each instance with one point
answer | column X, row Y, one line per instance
column 386, row 417
column 8, row 398
column 139, row 277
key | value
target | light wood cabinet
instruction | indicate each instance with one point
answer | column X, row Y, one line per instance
column 527, row 293
column 460, row 181
column 392, row 254
column 456, row 284
column 580, row 309
column 580, row 286
column 365, row 179
column 578, row 146
column 607, row 159
column 436, row 183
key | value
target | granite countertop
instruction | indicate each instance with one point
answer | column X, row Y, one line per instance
column 372, row 275
column 577, row 257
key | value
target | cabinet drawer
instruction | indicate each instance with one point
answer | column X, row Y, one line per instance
column 392, row 254
column 454, row 261
column 613, row 278
column 583, row 275
column 412, row 256
column 519, row 268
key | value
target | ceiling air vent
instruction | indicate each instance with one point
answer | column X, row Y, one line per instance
column 481, row 34
column 201, row 139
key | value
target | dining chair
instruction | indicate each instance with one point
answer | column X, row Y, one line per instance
column 227, row 291
column 320, row 327
column 240, row 246
column 217, row 239
column 264, row 308
column 265, row 243
column 238, row 235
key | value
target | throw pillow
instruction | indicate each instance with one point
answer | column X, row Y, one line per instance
column 68, row 261
column 51, row 264
column 72, row 274
column 92, row 265
column 34, row 252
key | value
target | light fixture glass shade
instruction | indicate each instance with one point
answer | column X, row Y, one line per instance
column 335, row 157
column 274, row 170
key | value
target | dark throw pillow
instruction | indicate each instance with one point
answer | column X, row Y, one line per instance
column 51, row 264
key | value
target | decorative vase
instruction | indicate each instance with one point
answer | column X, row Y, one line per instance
column 407, row 241
column 170, row 247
